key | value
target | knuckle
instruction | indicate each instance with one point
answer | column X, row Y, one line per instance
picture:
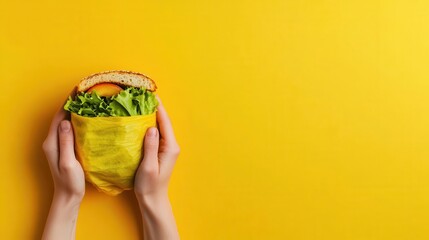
column 65, row 141
column 175, row 150
column 67, row 166
column 151, row 142
column 150, row 170
column 47, row 146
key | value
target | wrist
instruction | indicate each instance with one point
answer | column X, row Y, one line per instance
column 158, row 218
column 61, row 222
column 153, row 200
column 66, row 199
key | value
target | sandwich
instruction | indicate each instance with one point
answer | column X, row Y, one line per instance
column 114, row 93
column 110, row 114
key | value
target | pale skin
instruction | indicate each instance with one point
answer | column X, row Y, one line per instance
column 160, row 151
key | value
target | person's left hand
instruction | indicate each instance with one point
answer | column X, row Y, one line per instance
column 67, row 173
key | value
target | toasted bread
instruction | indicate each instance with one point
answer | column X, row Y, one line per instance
column 122, row 78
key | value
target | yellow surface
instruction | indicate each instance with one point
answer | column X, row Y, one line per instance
column 296, row 119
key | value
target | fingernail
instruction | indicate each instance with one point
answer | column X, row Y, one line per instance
column 65, row 126
column 151, row 132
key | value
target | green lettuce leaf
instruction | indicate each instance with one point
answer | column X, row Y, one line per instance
column 131, row 101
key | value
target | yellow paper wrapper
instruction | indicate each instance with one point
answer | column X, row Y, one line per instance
column 110, row 149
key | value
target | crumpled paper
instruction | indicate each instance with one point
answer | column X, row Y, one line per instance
column 110, row 149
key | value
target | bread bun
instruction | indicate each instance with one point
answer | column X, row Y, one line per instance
column 121, row 78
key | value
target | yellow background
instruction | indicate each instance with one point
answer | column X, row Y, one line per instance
column 296, row 119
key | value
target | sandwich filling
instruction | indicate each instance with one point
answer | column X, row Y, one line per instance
column 111, row 100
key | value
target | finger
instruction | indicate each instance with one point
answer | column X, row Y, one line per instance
column 67, row 155
column 50, row 145
column 60, row 115
column 164, row 123
column 150, row 151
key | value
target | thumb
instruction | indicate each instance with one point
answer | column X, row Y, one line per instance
column 150, row 148
column 66, row 141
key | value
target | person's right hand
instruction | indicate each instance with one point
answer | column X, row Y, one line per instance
column 160, row 151
column 67, row 173
column 68, row 176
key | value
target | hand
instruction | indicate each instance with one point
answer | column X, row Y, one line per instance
column 67, row 173
column 69, row 180
column 160, row 151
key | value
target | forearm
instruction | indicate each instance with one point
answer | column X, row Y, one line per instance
column 158, row 218
column 61, row 222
